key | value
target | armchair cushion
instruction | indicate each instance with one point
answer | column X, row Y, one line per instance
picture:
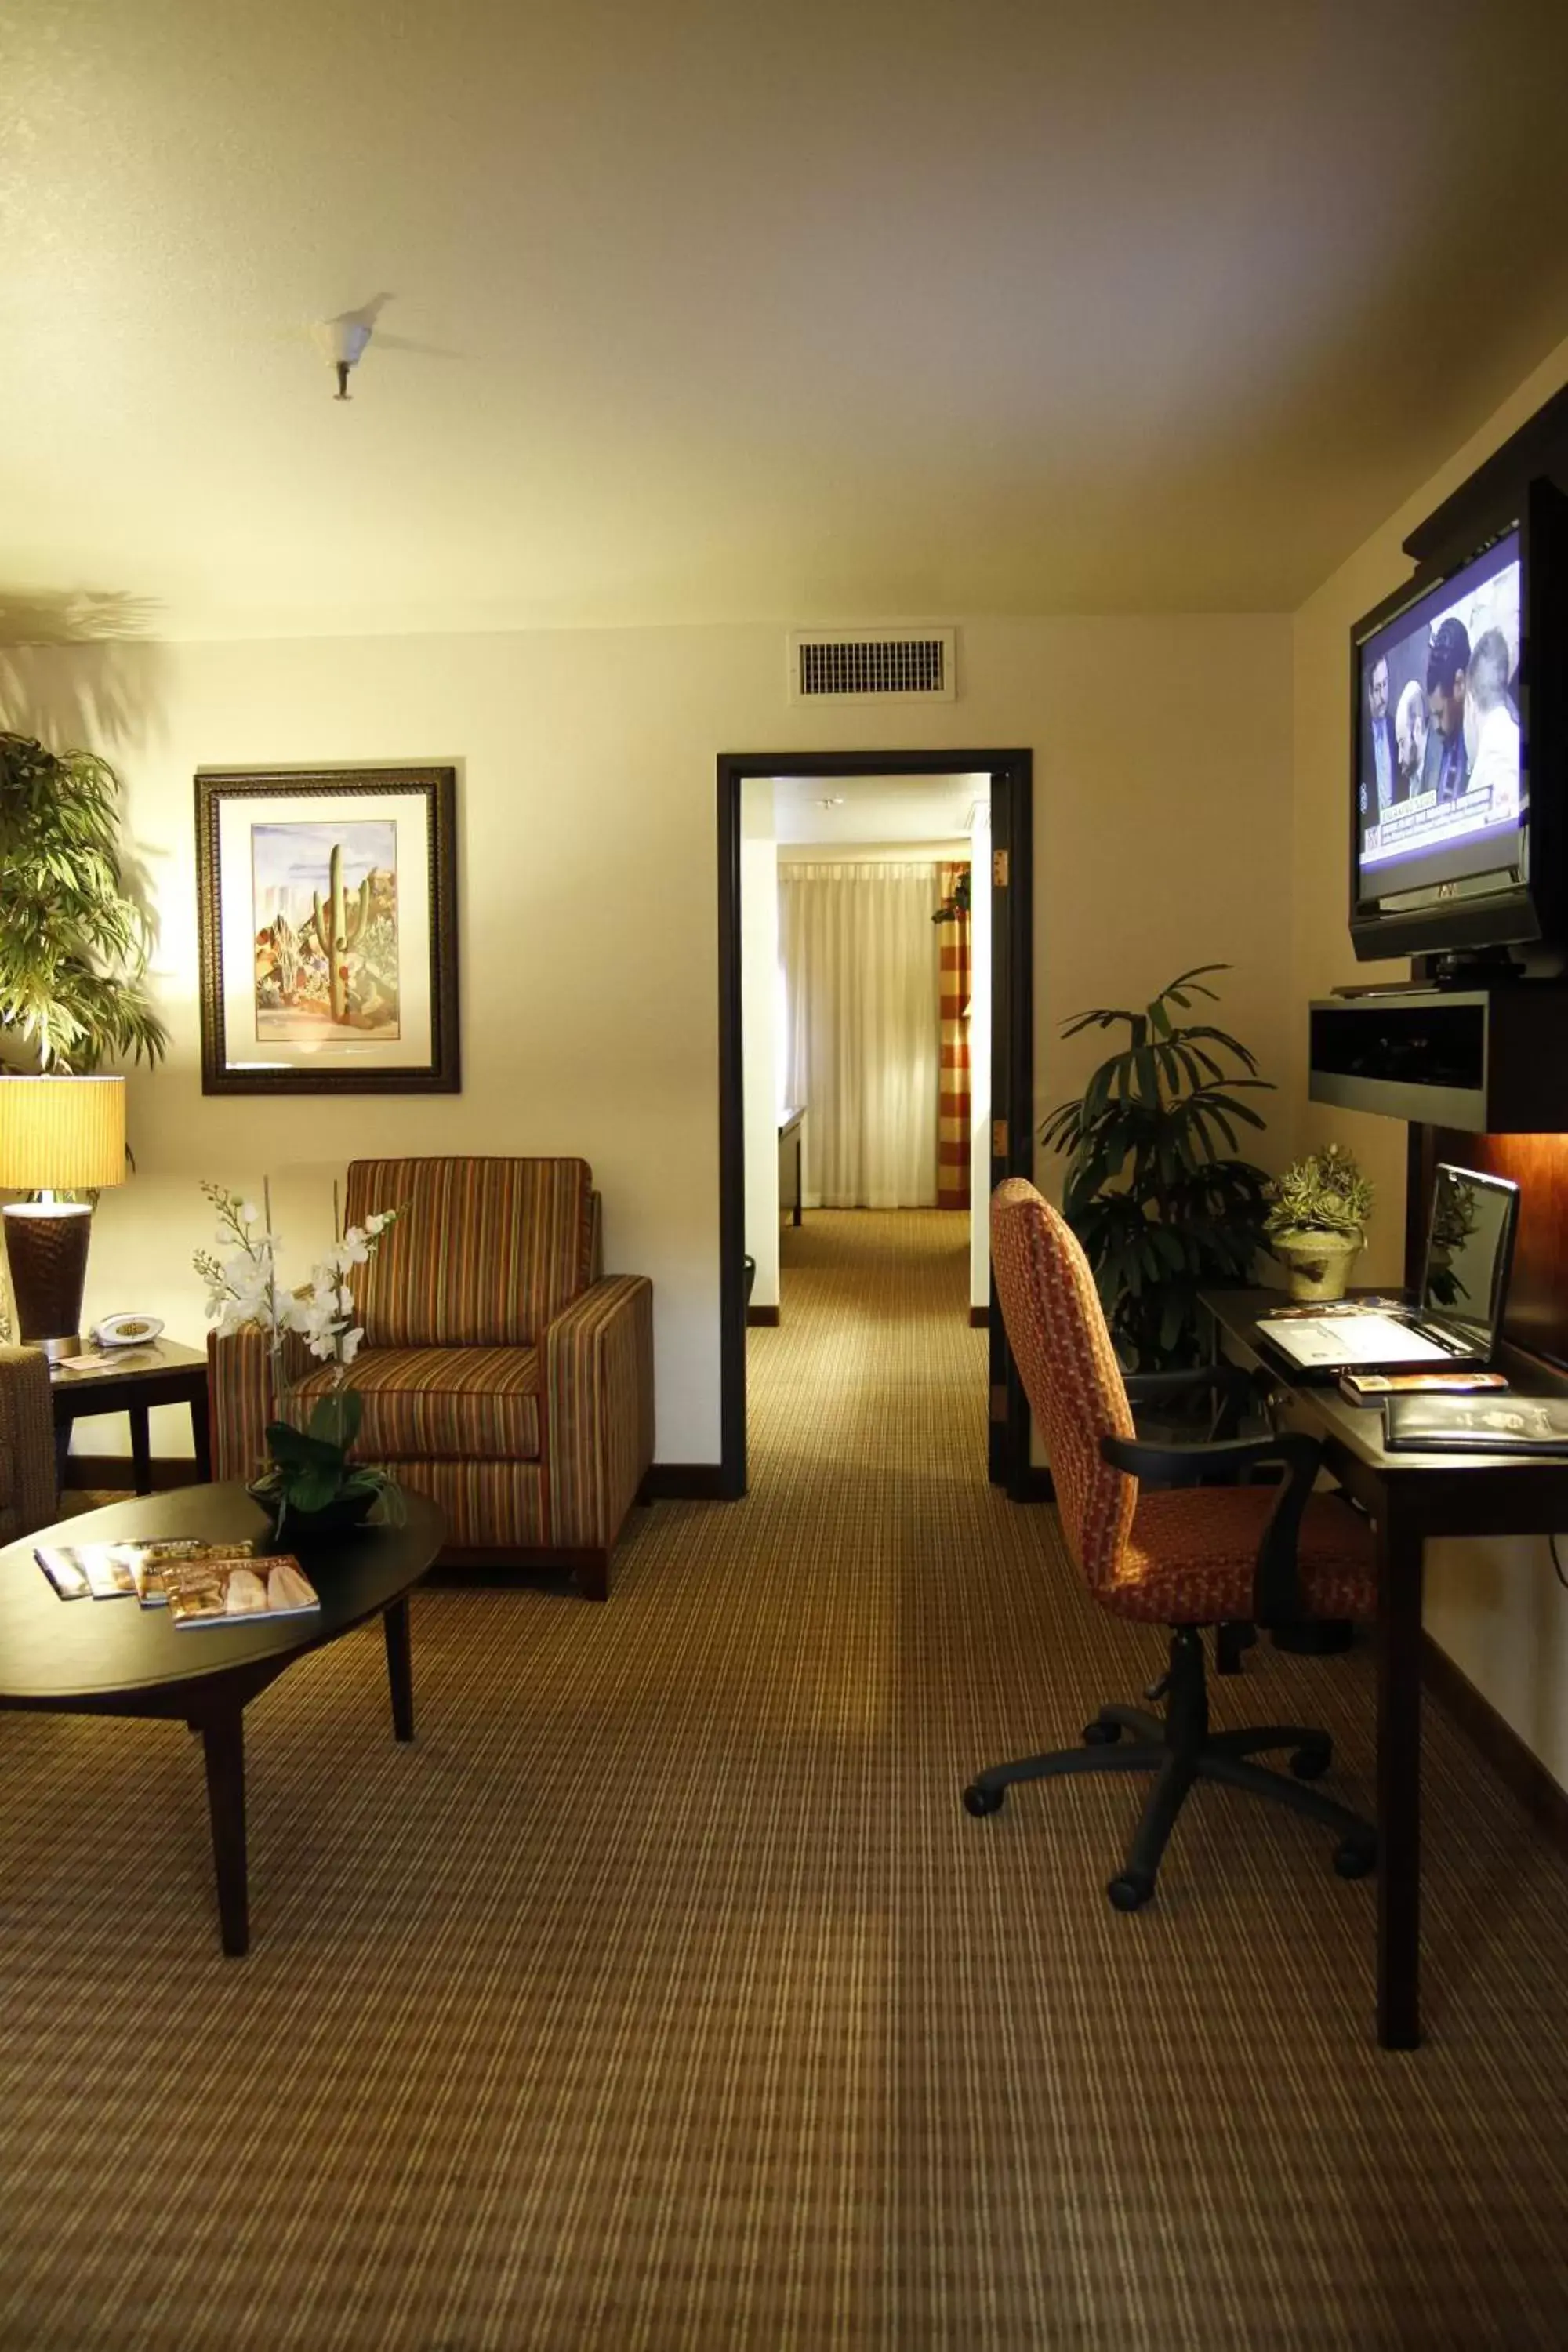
column 486, row 1253
column 1192, row 1557
column 440, row 1404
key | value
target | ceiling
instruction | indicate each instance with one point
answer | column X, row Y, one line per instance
column 703, row 313
column 835, row 810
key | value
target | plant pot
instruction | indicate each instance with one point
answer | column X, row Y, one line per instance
column 296, row 1527
column 1319, row 1264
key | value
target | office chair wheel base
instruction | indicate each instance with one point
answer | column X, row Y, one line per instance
column 1131, row 1889
column 1355, row 1857
column 979, row 1802
column 1100, row 1735
column 1311, row 1763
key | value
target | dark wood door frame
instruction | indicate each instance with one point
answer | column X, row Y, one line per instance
column 1012, row 881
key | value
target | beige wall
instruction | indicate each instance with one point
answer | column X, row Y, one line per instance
column 586, row 799
column 1495, row 1607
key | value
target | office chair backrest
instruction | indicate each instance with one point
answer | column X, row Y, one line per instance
column 1057, row 1331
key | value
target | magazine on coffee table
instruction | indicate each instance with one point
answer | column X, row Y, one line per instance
column 110, row 1570
column 232, row 1588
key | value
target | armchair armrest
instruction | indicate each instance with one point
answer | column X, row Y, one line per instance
column 1276, row 1595
column 239, row 1397
column 27, row 1437
column 598, row 1386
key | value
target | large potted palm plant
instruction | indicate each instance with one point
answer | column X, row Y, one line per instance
column 1156, row 1190
column 74, row 938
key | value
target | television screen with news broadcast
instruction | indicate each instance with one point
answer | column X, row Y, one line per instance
column 1440, row 790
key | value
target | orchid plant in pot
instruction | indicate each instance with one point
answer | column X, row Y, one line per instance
column 309, row 1483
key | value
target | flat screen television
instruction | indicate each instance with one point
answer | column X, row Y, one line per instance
column 1457, row 773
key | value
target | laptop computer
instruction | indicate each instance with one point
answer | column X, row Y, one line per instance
column 1456, row 1322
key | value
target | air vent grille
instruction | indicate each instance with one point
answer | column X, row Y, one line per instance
column 873, row 666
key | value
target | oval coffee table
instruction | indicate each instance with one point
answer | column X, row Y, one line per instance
column 114, row 1657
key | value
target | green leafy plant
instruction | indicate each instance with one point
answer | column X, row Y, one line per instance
column 74, row 940
column 951, row 908
column 1324, row 1193
column 309, row 1471
column 1155, row 1188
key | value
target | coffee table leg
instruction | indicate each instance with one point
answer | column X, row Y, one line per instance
column 400, row 1667
column 223, row 1738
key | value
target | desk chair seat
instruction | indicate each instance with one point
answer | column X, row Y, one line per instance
column 1189, row 1557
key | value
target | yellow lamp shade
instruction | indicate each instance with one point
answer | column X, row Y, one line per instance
column 61, row 1135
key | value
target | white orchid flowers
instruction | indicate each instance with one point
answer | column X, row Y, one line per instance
column 242, row 1289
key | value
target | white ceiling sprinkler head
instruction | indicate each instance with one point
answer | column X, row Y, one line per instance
column 343, row 341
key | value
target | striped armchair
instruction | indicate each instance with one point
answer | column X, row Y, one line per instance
column 27, row 1444
column 502, row 1375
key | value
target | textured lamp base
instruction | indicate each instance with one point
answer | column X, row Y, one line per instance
column 46, row 1242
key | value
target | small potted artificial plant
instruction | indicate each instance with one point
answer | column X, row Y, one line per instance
column 1317, row 1223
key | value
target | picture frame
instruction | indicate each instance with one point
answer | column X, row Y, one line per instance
column 327, row 930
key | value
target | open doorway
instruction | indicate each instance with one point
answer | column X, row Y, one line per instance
column 824, row 805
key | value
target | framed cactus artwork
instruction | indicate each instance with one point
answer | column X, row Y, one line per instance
column 327, row 906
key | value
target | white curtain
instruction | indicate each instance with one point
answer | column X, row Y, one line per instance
column 863, row 984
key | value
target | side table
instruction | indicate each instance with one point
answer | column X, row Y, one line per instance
column 132, row 1381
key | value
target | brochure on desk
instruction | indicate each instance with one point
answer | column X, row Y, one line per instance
column 1479, row 1424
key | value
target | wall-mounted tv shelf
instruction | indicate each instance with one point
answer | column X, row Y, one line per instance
column 1490, row 1061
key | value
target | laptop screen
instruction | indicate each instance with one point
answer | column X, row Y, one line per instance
column 1469, row 1251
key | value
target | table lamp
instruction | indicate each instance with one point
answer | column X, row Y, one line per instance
column 57, row 1135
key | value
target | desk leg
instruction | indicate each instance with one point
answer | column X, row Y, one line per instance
column 1399, row 1566
column 399, row 1667
column 141, row 1448
column 223, row 1736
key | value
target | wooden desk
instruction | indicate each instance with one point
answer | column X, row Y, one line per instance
column 1409, row 1497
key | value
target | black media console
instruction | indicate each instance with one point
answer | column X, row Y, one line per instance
column 1489, row 1061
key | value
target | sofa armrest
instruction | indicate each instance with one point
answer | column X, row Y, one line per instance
column 598, row 1385
column 28, row 1439
column 239, row 1396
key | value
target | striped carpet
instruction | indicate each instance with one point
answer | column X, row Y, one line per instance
column 661, row 1995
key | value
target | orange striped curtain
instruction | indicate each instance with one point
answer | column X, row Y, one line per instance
column 952, row 1099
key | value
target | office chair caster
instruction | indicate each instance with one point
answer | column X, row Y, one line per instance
column 1311, row 1763
column 1131, row 1889
column 979, row 1802
column 1353, row 1857
column 1100, row 1735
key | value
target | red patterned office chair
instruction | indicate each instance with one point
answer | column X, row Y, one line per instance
column 1186, row 1555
